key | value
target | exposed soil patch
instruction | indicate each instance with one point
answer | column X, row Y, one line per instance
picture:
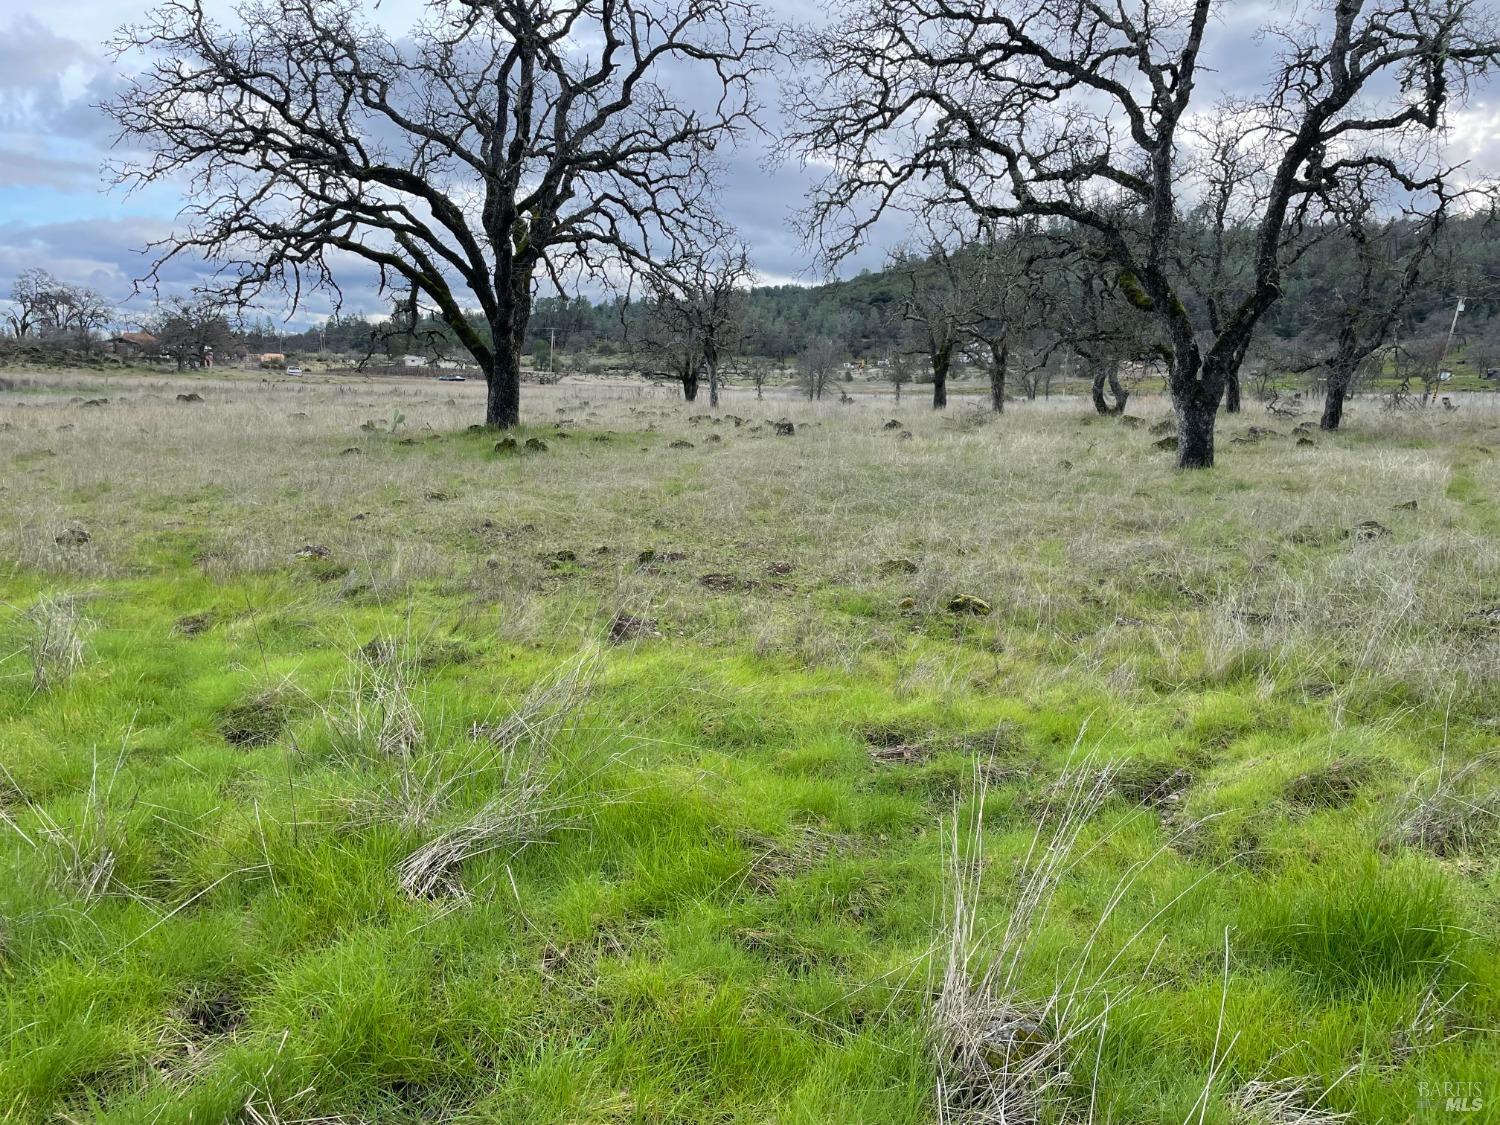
column 194, row 623
column 626, row 627
column 650, row 557
column 1153, row 785
column 255, row 721
column 218, row 1014
column 1332, row 786
column 725, row 583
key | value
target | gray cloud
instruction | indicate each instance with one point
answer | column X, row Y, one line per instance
column 27, row 169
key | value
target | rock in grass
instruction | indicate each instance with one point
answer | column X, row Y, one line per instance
column 680, row 444
column 1405, row 506
column 536, row 445
column 191, row 396
column 312, row 551
column 507, row 444
column 785, row 428
column 1368, row 531
column 1165, row 426
column 893, row 425
column 1167, row 444
column 969, row 604
column 1306, row 442
column 904, row 435
column 73, row 536
column 351, row 451
column 893, row 567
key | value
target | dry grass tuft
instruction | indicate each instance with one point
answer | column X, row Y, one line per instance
column 373, row 717
column 55, row 632
column 1003, row 1050
column 1282, row 1102
column 1000, row 1053
column 773, row 859
column 517, row 761
column 1459, row 814
column 81, row 857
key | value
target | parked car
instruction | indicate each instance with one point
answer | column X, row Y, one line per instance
column 294, row 371
column 451, row 377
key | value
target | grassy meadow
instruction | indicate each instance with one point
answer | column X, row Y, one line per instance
column 670, row 770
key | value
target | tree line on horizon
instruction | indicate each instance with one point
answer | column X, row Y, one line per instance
column 1074, row 185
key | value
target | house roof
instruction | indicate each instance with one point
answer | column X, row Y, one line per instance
column 144, row 339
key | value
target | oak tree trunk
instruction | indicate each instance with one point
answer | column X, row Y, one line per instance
column 941, row 360
column 502, row 408
column 1116, row 388
column 1196, row 413
column 1340, row 378
column 1232, row 393
column 1109, row 376
column 999, row 362
column 1101, row 405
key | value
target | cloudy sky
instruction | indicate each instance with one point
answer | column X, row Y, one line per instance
column 57, row 212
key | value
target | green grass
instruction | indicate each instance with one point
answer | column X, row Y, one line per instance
column 707, row 876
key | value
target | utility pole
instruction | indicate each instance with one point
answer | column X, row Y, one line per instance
column 1453, row 327
column 552, row 349
column 1448, row 343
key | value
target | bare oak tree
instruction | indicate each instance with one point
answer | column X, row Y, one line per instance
column 818, row 364
column 1075, row 111
column 43, row 306
column 1013, row 274
column 1384, row 250
column 940, row 302
column 498, row 141
column 698, row 298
